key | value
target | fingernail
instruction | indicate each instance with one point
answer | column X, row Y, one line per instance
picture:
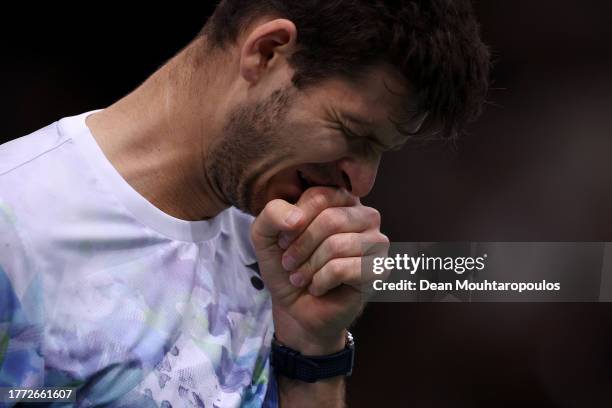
column 294, row 217
column 288, row 262
column 296, row 279
column 283, row 240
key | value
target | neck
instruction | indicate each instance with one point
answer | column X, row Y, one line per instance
column 157, row 137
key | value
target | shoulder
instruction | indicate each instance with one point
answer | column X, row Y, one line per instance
column 25, row 149
column 28, row 153
column 25, row 177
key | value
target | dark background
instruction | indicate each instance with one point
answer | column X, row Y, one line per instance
column 535, row 168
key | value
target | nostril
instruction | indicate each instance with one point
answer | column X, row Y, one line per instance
column 347, row 181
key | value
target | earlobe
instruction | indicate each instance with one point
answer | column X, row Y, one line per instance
column 263, row 44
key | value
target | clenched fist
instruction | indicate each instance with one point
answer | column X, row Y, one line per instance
column 310, row 259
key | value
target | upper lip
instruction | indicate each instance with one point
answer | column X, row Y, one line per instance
column 308, row 180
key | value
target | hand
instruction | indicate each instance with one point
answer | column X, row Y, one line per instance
column 310, row 258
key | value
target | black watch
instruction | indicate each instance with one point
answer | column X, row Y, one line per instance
column 292, row 364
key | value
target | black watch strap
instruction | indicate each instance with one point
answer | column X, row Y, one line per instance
column 292, row 364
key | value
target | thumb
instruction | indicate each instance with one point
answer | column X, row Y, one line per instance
column 277, row 216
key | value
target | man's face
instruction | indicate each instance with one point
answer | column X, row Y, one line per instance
column 330, row 134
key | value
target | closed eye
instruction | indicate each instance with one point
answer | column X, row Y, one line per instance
column 370, row 139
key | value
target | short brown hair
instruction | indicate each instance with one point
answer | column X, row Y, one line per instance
column 435, row 45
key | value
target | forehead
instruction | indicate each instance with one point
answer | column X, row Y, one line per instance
column 378, row 95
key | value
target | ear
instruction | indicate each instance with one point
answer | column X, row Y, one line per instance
column 266, row 41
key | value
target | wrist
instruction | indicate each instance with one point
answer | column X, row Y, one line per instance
column 308, row 342
column 309, row 345
column 292, row 364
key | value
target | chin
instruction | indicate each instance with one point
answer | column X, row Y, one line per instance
column 260, row 200
column 288, row 185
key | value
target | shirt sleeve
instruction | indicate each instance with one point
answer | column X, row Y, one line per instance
column 21, row 362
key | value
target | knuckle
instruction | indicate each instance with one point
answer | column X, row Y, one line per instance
column 373, row 216
column 379, row 242
column 333, row 218
column 273, row 205
column 383, row 239
column 384, row 245
column 336, row 267
column 319, row 201
column 336, row 244
column 324, row 190
column 342, row 268
column 317, row 197
column 271, row 209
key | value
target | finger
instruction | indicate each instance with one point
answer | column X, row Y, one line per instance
column 316, row 199
column 313, row 201
column 344, row 245
column 277, row 216
column 335, row 273
column 331, row 221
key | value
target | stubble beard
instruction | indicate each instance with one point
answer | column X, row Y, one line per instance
column 251, row 143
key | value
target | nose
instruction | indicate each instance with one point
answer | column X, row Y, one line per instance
column 358, row 175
